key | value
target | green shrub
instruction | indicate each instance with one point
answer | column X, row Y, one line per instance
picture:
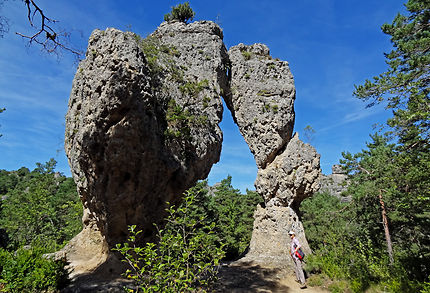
column 181, row 12
column 41, row 206
column 26, row 270
column 344, row 251
column 316, row 280
column 426, row 288
column 246, row 55
column 193, row 88
column 185, row 259
column 339, row 287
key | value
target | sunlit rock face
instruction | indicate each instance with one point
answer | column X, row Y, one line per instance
column 270, row 242
column 129, row 152
column 291, row 177
column 261, row 101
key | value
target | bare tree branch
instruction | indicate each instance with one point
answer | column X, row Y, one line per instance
column 51, row 39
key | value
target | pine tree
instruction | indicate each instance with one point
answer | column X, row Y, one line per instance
column 398, row 172
column 405, row 85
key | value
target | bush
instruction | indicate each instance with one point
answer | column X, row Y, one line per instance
column 26, row 270
column 185, row 259
column 181, row 12
column 343, row 251
column 426, row 287
column 233, row 212
column 43, row 205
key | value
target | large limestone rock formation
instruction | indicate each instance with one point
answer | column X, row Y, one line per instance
column 262, row 103
column 142, row 126
column 291, row 177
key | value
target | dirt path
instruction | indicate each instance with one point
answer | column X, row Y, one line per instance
column 294, row 287
column 253, row 278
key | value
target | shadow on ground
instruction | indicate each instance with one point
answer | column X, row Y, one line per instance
column 247, row 277
column 106, row 278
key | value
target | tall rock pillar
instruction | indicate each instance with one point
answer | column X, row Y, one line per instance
column 262, row 104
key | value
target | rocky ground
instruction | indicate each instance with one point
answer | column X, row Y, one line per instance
column 245, row 277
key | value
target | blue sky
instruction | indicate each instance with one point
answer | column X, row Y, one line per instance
column 330, row 45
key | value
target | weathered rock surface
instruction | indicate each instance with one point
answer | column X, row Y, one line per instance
column 335, row 183
column 291, row 177
column 270, row 242
column 261, row 100
column 142, row 126
column 200, row 54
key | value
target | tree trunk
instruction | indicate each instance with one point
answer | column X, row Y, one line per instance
column 387, row 231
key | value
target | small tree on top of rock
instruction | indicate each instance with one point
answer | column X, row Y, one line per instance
column 181, row 12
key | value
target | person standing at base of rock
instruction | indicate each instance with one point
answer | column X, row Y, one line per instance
column 295, row 246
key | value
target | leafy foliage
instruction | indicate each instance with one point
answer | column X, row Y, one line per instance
column 246, row 55
column 210, row 224
column 233, row 213
column 344, row 248
column 193, row 88
column 230, row 210
column 399, row 171
column 39, row 212
column 26, row 270
column 389, row 177
column 184, row 259
column 39, row 205
column 181, row 12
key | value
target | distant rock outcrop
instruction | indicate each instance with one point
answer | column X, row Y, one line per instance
column 335, row 183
